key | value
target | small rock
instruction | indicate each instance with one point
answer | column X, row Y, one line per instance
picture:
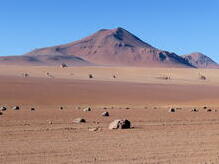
column 88, row 109
column 63, row 65
column 3, row 108
column 194, row 110
column 120, row 124
column 93, row 129
column 25, row 75
column 172, row 110
column 50, row 122
column 105, row 114
column 61, row 108
column 209, row 110
column 79, row 120
column 96, row 122
column 1, row 113
column 16, row 108
column 90, row 76
column 32, row 109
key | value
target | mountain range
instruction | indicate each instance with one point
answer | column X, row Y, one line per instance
column 110, row 47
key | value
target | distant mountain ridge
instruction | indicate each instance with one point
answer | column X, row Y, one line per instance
column 106, row 47
column 200, row 60
column 44, row 60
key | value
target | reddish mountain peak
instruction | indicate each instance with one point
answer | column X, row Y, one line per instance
column 115, row 47
column 117, row 36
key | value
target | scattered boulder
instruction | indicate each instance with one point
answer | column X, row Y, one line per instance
column 88, row 109
column 205, row 107
column 3, row 108
column 32, row 109
column 96, row 122
column 61, row 108
column 79, row 120
column 90, row 76
column 105, row 114
column 1, row 113
column 49, row 75
column 202, row 77
column 164, row 77
column 93, row 129
column 120, row 124
column 63, row 65
column 16, row 108
column 209, row 110
column 50, row 122
column 172, row 110
column 194, row 110
column 25, row 75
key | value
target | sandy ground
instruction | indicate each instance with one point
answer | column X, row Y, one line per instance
column 123, row 74
column 157, row 136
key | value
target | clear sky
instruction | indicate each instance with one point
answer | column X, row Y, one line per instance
column 180, row 26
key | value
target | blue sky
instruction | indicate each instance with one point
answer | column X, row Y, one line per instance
column 180, row 26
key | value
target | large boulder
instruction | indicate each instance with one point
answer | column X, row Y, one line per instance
column 120, row 124
column 79, row 120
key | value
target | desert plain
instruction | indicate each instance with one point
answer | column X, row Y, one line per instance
column 139, row 94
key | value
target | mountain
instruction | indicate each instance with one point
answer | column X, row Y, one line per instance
column 44, row 60
column 115, row 47
column 200, row 60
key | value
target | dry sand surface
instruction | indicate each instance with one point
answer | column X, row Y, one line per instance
column 48, row 134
